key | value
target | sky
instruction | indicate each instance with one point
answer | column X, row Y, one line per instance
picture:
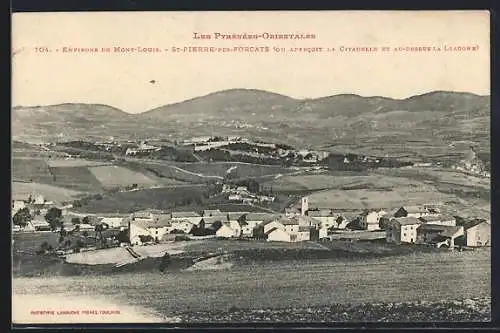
column 123, row 80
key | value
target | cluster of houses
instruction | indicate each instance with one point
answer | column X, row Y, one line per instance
column 410, row 224
column 143, row 147
column 241, row 194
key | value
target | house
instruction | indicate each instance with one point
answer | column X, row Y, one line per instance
column 193, row 217
column 436, row 234
column 291, row 226
column 370, row 219
column 38, row 223
column 16, row 228
column 324, row 216
column 479, row 234
column 225, row 231
column 439, row 219
column 277, row 235
column 274, row 223
column 155, row 228
column 303, row 234
column 86, row 227
column 246, row 230
column 411, row 211
column 17, row 205
column 113, row 222
column 291, row 211
column 403, row 230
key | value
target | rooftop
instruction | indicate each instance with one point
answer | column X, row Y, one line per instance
column 407, row 220
column 184, row 214
column 437, row 218
column 259, row 216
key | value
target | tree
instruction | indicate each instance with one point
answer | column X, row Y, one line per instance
column 85, row 233
column 86, row 220
column 75, row 220
column 53, row 217
column 22, row 217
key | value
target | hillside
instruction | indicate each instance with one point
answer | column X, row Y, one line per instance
column 347, row 121
column 66, row 121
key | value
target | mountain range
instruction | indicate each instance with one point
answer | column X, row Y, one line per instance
column 340, row 119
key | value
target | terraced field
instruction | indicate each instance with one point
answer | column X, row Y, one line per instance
column 235, row 170
column 31, row 169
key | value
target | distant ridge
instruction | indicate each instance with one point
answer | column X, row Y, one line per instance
column 263, row 114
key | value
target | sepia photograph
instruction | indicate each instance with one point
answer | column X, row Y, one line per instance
column 251, row 167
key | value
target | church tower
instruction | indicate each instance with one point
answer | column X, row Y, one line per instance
column 304, row 206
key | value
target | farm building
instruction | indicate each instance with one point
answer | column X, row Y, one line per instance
column 436, row 234
column 291, row 226
column 439, row 219
column 478, row 234
column 370, row 219
column 411, row 211
column 193, row 217
column 303, row 234
column 402, row 230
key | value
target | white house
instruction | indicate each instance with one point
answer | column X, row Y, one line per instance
column 370, row 220
column 193, row 217
column 478, row 234
column 324, row 216
column 438, row 234
column 141, row 227
column 278, row 235
column 37, row 224
column 303, row 234
column 226, row 231
column 17, row 205
column 273, row 224
column 403, row 230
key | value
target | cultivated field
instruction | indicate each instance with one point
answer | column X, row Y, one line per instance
column 112, row 176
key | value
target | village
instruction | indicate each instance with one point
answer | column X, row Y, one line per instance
column 417, row 225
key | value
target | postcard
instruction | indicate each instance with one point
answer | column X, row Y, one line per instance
column 251, row 167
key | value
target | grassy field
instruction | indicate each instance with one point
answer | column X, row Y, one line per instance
column 31, row 169
column 287, row 284
column 360, row 199
column 78, row 162
column 113, row 176
column 166, row 171
column 154, row 198
column 348, row 181
column 54, row 193
column 78, row 178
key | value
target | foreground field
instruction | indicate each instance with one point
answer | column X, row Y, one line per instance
column 271, row 286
